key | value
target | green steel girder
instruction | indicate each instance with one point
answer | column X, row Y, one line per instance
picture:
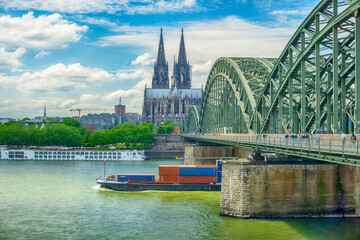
column 193, row 119
column 313, row 86
column 242, row 79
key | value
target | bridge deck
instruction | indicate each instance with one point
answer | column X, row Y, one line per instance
column 329, row 150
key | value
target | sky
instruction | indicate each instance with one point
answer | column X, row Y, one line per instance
column 88, row 53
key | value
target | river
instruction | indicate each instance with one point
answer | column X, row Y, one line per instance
column 60, row 200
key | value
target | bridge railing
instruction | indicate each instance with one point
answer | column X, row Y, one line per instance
column 332, row 146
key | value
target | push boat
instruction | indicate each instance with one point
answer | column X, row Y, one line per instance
column 171, row 178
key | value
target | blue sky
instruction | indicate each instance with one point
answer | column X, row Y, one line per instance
column 88, row 53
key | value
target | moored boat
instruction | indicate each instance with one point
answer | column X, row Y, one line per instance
column 72, row 154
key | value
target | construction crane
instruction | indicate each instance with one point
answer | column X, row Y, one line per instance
column 89, row 109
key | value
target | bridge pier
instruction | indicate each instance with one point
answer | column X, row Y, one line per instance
column 283, row 190
column 193, row 151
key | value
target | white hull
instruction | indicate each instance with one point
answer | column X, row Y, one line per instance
column 80, row 155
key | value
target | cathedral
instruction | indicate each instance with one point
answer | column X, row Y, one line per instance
column 170, row 100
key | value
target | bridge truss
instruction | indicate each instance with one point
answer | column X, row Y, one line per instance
column 313, row 86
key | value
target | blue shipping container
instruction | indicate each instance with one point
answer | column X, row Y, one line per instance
column 219, row 170
column 197, row 171
column 136, row 178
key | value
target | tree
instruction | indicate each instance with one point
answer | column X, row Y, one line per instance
column 161, row 129
column 71, row 122
column 168, row 122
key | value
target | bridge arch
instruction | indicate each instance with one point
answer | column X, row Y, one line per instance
column 193, row 120
column 231, row 93
column 314, row 86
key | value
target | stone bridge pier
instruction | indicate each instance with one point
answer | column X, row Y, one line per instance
column 287, row 190
column 196, row 154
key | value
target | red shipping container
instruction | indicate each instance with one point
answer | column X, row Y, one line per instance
column 197, row 179
column 166, row 178
column 168, row 170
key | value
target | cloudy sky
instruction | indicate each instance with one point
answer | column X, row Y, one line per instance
column 88, row 53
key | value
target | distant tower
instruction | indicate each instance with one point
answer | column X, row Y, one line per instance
column 120, row 109
column 45, row 111
column 161, row 68
column 182, row 67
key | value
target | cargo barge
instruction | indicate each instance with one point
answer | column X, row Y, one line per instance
column 171, row 178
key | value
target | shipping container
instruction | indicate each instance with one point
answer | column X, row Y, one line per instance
column 219, row 170
column 197, row 171
column 165, row 178
column 196, row 165
column 169, row 170
column 197, row 179
column 136, row 177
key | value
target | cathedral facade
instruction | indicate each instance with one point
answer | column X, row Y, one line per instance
column 170, row 101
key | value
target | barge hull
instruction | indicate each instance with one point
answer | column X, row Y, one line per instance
column 128, row 187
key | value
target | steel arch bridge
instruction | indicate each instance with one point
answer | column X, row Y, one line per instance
column 313, row 86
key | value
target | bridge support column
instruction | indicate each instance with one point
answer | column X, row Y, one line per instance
column 260, row 190
column 197, row 155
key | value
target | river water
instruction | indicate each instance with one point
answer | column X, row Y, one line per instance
column 60, row 200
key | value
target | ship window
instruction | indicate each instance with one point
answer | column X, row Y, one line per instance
column 36, row 156
column 96, row 153
column 86, row 156
column 82, row 153
column 91, row 153
column 67, row 156
column 72, row 156
column 134, row 154
column 36, row 152
column 72, row 153
column 63, row 153
column 86, row 153
column 91, row 156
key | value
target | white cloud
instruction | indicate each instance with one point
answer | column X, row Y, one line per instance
column 11, row 59
column 42, row 54
column 144, row 59
column 289, row 12
column 67, row 103
column 50, row 31
column 62, row 78
column 228, row 37
column 88, row 97
column 134, row 74
column 109, row 6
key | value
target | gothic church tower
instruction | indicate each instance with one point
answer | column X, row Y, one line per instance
column 161, row 68
column 182, row 67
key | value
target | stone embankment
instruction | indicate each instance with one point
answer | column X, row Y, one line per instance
column 166, row 146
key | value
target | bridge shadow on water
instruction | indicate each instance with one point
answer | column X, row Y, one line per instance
column 326, row 228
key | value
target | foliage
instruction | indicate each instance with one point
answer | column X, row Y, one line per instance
column 71, row 134
column 71, row 122
column 167, row 128
column 168, row 122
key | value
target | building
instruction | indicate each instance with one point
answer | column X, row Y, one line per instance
column 120, row 109
column 101, row 121
column 5, row 120
column 163, row 102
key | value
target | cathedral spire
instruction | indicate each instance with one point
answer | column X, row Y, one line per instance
column 161, row 51
column 161, row 68
column 182, row 52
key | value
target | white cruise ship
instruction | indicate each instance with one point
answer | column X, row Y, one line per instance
column 88, row 155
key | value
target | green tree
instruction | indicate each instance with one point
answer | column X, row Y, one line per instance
column 71, row 122
column 168, row 122
column 161, row 129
